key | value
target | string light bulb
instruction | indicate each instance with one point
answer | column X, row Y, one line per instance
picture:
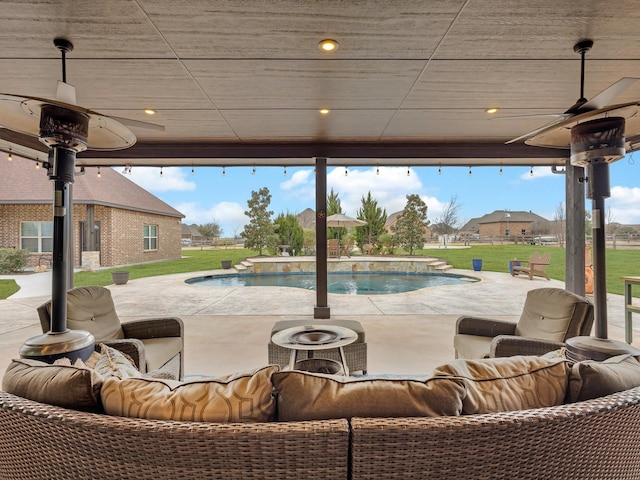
column 346, row 172
column 500, row 172
column 37, row 165
column 224, row 171
column 408, row 171
column 99, row 174
column 470, row 172
column 531, row 171
column 10, row 157
column 284, row 172
column 161, row 174
column 377, row 170
column 253, row 171
column 439, row 170
column 192, row 170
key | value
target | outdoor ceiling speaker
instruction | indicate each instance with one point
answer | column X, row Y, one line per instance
column 600, row 140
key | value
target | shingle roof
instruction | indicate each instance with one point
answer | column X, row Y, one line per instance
column 499, row 216
column 24, row 184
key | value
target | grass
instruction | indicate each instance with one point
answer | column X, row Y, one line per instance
column 8, row 288
column 193, row 260
column 495, row 258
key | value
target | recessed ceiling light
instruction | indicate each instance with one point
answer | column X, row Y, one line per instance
column 328, row 45
column 491, row 110
column 149, row 111
column 324, row 111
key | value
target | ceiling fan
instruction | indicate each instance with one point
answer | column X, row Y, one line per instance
column 557, row 133
column 24, row 114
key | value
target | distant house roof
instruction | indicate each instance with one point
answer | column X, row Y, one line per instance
column 22, row 183
column 191, row 230
column 498, row 216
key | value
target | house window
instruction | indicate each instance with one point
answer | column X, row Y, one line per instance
column 37, row 237
column 523, row 232
column 150, row 237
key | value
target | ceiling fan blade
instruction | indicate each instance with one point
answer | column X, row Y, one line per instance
column 527, row 135
column 138, row 123
column 533, row 115
column 607, row 96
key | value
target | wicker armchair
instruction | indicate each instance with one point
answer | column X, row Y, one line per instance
column 550, row 316
column 155, row 344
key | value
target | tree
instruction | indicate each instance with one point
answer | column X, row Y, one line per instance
column 448, row 221
column 333, row 207
column 559, row 223
column 210, row 230
column 376, row 219
column 409, row 228
column 289, row 232
column 259, row 233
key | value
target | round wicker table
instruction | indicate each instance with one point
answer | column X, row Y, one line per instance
column 313, row 338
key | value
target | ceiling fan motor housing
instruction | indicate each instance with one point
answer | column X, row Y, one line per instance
column 63, row 127
column 599, row 140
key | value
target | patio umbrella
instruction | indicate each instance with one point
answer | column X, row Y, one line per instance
column 343, row 221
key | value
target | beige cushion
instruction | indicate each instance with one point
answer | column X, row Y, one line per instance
column 242, row 397
column 472, row 346
column 591, row 379
column 92, row 309
column 512, row 383
column 158, row 351
column 62, row 385
column 308, row 396
column 547, row 313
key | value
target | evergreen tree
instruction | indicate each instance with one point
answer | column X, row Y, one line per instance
column 259, row 233
column 409, row 228
column 290, row 232
column 333, row 207
column 375, row 217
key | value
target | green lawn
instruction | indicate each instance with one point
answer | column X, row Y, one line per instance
column 495, row 258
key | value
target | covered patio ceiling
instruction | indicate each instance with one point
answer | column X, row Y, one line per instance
column 242, row 82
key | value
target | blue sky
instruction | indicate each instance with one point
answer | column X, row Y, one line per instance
column 208, row 196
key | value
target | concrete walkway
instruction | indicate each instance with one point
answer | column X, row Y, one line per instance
column 228, row 328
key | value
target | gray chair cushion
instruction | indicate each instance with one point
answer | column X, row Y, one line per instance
column 92, row 309
column 547, row 314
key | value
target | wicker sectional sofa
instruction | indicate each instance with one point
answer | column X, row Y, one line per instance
column 597, row 438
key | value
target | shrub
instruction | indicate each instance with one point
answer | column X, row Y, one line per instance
column 13, row 259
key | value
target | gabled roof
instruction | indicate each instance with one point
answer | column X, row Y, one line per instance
column 22, row 183
column 498, row 216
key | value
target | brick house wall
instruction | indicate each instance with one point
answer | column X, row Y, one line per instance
column 121, row 240
column 498, row 229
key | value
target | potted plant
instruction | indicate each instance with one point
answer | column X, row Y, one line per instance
column 120, row 277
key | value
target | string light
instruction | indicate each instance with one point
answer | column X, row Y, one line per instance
column 161, row 174
column 408, row 172
column 439, row 170
column 377, row 170
column 253, row 171
column 37, row 165
column 531, row 171
column 346, row 172
column 10, row 157
column 99, row 174
column 224, row 171
column 470, row 172
column 192, row 170
column 284, row 173
column 500, row 172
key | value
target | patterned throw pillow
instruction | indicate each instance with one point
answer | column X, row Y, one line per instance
column 112, row 362
column 241, row 397
column 308, row 396
column 511, row 383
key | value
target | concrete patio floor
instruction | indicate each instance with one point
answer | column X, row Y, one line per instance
column 227, row 328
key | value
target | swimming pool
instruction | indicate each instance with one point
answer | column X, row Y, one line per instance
column 362, row 283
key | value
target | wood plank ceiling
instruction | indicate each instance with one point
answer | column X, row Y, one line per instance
column 242, row 82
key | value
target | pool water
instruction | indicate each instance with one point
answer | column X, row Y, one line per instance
column 365, row 283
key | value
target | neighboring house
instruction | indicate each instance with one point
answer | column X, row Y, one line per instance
column 393, row 219
column 190, row 234
column 506, row 223
column 120, row 222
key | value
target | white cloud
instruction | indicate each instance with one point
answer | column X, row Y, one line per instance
column 299, row 188
column 229, row 215
column 172, row 179
column 625, row 205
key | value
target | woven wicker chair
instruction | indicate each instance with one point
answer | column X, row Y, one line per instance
column 154, row 344
column 550, row 316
